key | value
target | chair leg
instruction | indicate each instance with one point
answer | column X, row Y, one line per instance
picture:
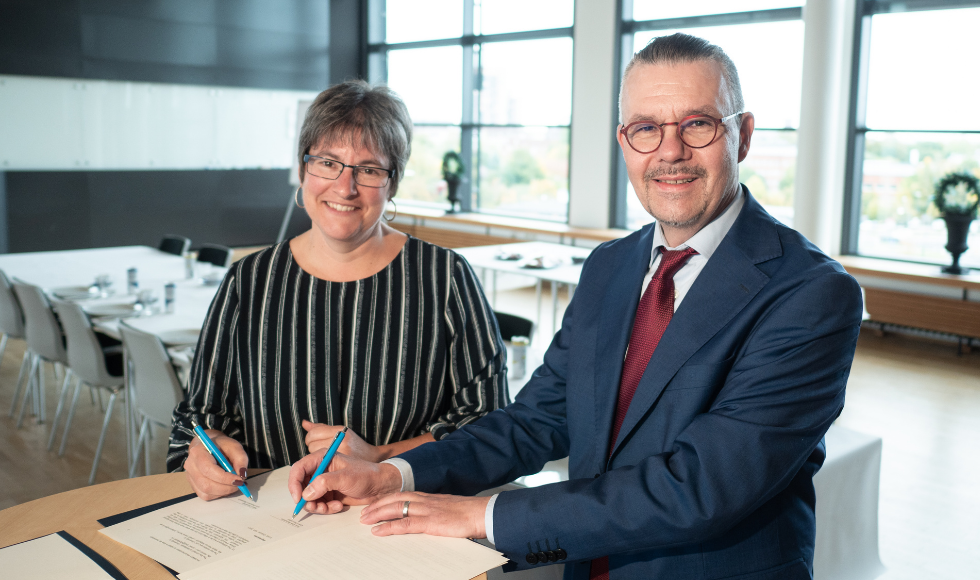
column 71, row 415
column 138, row 446
column 29, row 390
column 146, row 447
column 24, row 365
column 105, row 427
column 41, row 397
column 3, row 346
column 61, row 407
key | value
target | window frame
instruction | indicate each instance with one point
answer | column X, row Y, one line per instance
column 628, row 27
column 857, row 129
column 377, row 50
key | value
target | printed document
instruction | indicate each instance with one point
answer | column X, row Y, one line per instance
column 233, row 537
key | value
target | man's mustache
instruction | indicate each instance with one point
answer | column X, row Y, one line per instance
column 667, row 172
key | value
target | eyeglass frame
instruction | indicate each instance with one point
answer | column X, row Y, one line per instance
column 720, row 122
column 390, row 172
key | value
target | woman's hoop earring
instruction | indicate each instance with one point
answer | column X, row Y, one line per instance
column 296, row 198
column 388, row 219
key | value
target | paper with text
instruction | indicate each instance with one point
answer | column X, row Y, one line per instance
column 346, row 549
column 234, row 538
column 194, row 532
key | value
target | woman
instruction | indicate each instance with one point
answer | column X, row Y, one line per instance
column 351, row 323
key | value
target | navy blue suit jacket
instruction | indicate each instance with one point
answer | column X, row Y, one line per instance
column 711, row 476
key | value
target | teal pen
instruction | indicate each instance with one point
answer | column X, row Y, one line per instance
column 219, row 456
column 323, row 466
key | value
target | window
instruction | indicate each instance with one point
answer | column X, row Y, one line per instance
column 916, row 124
column 491, row 80
column 748, row 38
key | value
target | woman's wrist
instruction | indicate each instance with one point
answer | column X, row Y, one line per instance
column 382, row 452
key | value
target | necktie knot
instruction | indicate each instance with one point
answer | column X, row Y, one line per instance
column 671, row 261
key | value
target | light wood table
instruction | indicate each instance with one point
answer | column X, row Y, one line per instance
column 78, row 511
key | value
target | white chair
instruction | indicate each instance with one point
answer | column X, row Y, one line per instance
column 11, row 326
column 92, row 365
column 45, row 343
column 154, row 388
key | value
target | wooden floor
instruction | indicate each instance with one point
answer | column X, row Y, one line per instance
column 920, row 397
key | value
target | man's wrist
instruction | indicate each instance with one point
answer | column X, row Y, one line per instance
column 405, row 479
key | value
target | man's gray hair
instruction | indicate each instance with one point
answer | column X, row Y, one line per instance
column 355, row 109
column 681, row 48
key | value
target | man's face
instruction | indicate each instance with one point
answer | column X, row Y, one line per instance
column 682, row 187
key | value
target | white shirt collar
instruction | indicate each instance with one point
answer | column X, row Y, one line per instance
column 708, row 238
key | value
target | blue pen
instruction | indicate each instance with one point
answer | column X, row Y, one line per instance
column 323, row 466
column 219, row 456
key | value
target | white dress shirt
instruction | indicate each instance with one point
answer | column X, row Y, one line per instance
column 705, row 242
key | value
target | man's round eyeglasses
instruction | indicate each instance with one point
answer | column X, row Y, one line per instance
column 695, row 131
column 363, row 174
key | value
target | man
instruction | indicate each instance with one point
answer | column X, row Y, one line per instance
column 693, row 417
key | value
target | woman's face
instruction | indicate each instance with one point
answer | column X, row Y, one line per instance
column 341, row 209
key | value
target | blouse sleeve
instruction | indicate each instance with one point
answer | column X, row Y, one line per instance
column 477, row 356
column 212, row 398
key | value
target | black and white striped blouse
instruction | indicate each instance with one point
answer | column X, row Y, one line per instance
column 412, row 349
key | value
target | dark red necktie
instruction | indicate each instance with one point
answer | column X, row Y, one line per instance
column 653, row 314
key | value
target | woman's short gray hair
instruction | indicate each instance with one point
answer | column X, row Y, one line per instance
column 355, row 109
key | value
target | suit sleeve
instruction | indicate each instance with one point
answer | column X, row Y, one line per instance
column 507, row 443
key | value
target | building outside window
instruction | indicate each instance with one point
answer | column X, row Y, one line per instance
column 915, row 122
column 491, row 80
column 749, row 36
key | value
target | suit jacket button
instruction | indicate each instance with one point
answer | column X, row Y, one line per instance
column 561, row 553
column 552, row 557
column 542, row 557
column 596, row 476
column 531, row 558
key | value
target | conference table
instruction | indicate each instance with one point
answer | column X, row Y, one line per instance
column 542, row 261
column 68, row 271
column 78, row 511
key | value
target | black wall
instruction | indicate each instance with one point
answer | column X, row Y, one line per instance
column 268, row 44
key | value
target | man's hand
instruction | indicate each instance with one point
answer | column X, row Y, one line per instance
column 347, row 481
column 320, row 436
column 207, row 478
column 437, row 515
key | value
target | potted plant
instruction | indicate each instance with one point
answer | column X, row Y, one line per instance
column 957, row 197
column 452, row 172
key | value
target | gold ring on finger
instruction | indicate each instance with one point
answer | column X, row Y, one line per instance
column 405, row 509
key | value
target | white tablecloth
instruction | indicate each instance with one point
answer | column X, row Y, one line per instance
column 54, row 270
column 847, row 507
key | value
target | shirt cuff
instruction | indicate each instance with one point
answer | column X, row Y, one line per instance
column 405, row 469
column 488, row 518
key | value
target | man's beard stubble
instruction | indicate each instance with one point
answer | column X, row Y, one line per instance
column 665, row 173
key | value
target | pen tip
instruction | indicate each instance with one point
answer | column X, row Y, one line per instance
column 294, row 516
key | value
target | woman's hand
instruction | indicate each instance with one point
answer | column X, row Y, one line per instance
column 320, row 436
column 347, row 481
column 437, row 515
column 207, row 478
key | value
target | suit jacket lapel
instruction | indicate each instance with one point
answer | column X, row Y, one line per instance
column 728, row 282
column 612, row 337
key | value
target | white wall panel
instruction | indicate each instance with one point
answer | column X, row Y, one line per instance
column 70, row 124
